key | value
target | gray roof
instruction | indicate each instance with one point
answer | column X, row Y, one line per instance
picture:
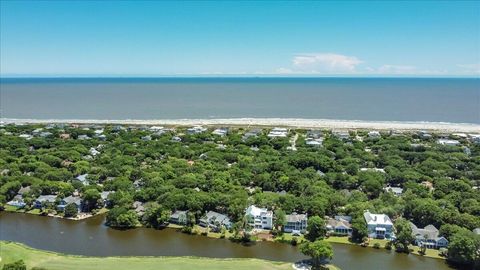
column 294, row 217
column 333, row 223
column 177, row 214
column 23, row 190
column 430, row 231
column 47, row 198
column 476, row 231
column 210, row 216
column 73, row 199
column 104, row 194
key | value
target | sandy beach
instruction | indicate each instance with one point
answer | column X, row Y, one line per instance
column 269, row 122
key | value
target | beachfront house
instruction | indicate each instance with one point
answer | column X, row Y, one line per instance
column 215, row 221
column 314, row 134
column 314, row 142
column 196, row 130
column 222, row 132
column 397, row 191
column 278, row 133
column 339, row 225
column 43, row 200
column 179, row 217
column 448, row 142
column 68, row 200
column 104, row 196
column 374, row 134
column 296, row 223
column 379, row 225
column 251, row 134
column 259, row 218
column 428, row 237
column 139, row 208
column 342, row 135
column 424, row 135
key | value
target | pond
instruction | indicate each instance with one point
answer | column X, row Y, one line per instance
column 91, row 237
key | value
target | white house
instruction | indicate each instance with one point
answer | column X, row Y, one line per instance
column 278, row 133
column 222, row 132
column 397, row 191
column 374, row 134
column 196, row 130
column 448, row 142
column 379, row 225
column 259, row 218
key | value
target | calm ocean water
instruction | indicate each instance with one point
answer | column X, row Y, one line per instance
column 371, row 99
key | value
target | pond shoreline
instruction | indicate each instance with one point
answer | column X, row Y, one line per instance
column 197, row 230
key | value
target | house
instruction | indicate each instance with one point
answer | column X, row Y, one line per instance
column 380, row 170
column 342, row 135
column 25, row 136
column 215, row 220
column 179, row 217
column 476, row 231
column 176, row 139
column 44, row 199
column 259, row 218
column 23, row 190
column 83, row 137
column 278, row 133
column 83, row 178
column 104, row 196
column 155, row 128
column 424, row 135
column 374, row 134
column 64, row 136
column 196, row 130
column 222, row 132
column 68, row 200
column 93, row 152
column 339, row 225
column 146, row 138
column 314, row 134
column 448, row 142
column 45, row 134
column 252, row 133
column 474, row 138
column 17, row 201
column 139, row 208
column 314, row 142
column 296, row 222
column 428, row 237
column 379, row 225
column 397, row 191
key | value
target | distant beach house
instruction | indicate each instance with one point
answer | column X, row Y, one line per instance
column 378, row 225
column 215, row 220
column 314, row 142
column 259, row 218
column 397, row 191
column 339, row 225
column 296, row 222
column 380, row 170
column 342, row 135
column 83, row 137
column 44, row 199
column 278, row 133
column 314, row 134
column 424, row 135
column 251, row 134
column 448, row 142
column 222, row 132
column 428, row 237
column 196, row 130
column 374, row 134
column 179, row 217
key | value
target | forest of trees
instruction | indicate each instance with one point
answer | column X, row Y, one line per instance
column 226, row 174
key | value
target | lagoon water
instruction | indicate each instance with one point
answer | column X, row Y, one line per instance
column 371, row 99
column 90, row 237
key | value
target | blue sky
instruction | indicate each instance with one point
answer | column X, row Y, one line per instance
column 150, row 38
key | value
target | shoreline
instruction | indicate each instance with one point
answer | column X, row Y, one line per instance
column 271, row 122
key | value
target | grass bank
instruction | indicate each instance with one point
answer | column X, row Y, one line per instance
column 10, row 252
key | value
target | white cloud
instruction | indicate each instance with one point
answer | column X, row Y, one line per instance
column 330, row 63
column 470, row 68
column 396, row 69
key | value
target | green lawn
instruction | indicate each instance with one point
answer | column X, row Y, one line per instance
column 10, row 252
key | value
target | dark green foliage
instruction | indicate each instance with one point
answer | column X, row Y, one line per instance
column 18, row 265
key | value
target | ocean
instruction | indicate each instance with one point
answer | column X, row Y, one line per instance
column 455, row 100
